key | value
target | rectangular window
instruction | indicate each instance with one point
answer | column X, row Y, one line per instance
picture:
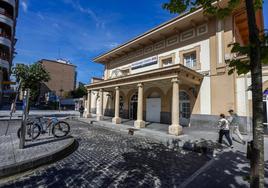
column 167, row 62
column 190, row 60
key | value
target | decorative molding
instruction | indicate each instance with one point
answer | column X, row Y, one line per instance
column 148, row 49
column 172, row 40
column 159, row 45
column 202, row 29
column 139, row 52
column 188, row 34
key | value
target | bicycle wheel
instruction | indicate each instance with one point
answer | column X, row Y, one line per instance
column 32, row 131
column 61, row 129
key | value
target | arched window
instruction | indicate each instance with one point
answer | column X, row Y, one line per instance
column 133, row 106
column 154, row 95
column 121, row 105
column 185, row 107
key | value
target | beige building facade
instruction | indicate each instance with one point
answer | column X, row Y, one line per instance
column 62, row 77
column 174, row 74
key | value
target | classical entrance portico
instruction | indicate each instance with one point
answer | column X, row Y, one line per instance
column 139, row 85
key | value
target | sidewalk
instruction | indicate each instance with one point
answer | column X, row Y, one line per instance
column 44, row 150
column 228, row 168
column 204, row 137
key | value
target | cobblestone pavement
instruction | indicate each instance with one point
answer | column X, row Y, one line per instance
column 106, row 158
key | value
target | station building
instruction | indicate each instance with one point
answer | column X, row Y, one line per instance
column 175, row 73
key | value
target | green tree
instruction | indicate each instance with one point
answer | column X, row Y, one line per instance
column 31, row 77
column 257, row 52
column 79, row 92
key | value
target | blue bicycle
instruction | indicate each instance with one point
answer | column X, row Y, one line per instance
column 41, row 125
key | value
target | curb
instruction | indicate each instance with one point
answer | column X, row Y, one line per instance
column 39, row 161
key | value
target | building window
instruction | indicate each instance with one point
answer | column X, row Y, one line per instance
column 190, row 60
column 167, row 62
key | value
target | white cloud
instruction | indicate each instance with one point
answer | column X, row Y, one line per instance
column 76, row 5
column 40, row 16
column 112, row 45
column 24, row 5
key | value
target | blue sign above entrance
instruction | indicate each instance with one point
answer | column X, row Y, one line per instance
column 144, row 63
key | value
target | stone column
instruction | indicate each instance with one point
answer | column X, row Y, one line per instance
column 88, row 115
column 139, row 123
column 175, row 128
column 117, row 119
column 100, row 111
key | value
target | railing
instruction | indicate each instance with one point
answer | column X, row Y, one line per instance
column 4, row 56
column 5, row 35
column 5, row 13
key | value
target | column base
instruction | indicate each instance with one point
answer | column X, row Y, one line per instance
column 99, row 118
column 139, row 124
column 88, row 115
column 175, row 130
column 116, row 120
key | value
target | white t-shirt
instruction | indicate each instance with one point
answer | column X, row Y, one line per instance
column 224, row 124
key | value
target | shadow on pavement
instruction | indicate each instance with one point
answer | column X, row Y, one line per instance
column 46, row 141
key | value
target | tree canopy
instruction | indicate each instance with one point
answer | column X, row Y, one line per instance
column 30, row 77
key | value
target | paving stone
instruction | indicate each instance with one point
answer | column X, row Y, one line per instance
column 107, row 158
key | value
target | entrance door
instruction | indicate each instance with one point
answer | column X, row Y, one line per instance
column 153, row 109
column 133, row 107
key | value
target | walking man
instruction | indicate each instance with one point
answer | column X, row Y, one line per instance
column 81, row 110
column 235, row 126
column 224, row 130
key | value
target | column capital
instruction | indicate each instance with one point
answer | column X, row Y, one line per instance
column 100, row 90
column 89, row 91
column 140, row 85
column 175, row 80
column 117, row 88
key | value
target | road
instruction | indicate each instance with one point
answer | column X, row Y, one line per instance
column 106, row 158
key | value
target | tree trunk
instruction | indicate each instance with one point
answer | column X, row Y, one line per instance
column 257, row 160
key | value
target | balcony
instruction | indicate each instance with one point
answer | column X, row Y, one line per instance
column 5, row 39
column 4, row 54
column 11, row 2
column 7, row 20
column 4, row 64
column 6, row 13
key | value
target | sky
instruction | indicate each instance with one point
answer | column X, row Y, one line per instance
column 79, row 30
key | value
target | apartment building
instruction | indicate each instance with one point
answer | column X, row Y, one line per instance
column 63, row 77
column 8, row 17
column 176, row 73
